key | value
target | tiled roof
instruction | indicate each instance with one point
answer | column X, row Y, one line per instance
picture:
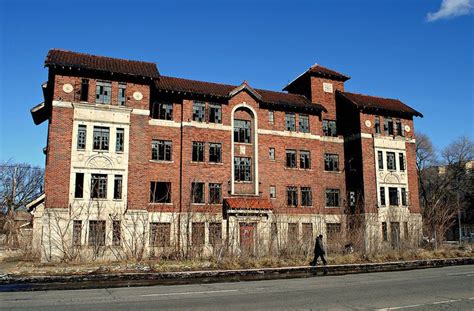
column 248, row 203
column 57, row 57
column 277, row 99
column 379, row 103
column 323, row 71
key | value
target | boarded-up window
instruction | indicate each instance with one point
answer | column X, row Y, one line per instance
column 76, row 232
column 292, row 233
column 215, row 233
column 116, row 233
column 198, row 234
column 160, row 233
column 333, row 231
column 307, row 233
column 97, row 232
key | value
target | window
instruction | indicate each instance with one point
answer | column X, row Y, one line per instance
column 241, row 131
column 161, row 150
column 160, row 233
column 380, row 159
column 242, row 169
column 79, row 186
column 215, row 233
column 304, row 123
column 215, row 113
column 118, row 187
column 305, row 159
column 384, row 231
column 97, row 232
column 405, row 230
column 103, row 91
column 391, row 165
column 292, row 196
column 307, row 236
column 76, row 232
column 162, row 111
column 332, row 197
column 395, row 234
column 160, row 192
column 119, row 139
column 85, row 90
column 329, row 128
column 215, row 151
column 331, row 162
column 116, row 233
column 399, row 127
column 197, row 233
column 382, row 196
column 199, row 109
column 333, row 231
column 121, row 94
column 393, row 196
column 271, row 117
column 401, row 160
column 306, row 196
column 215, row 193
column 404, row 196
column 197, row 192
column 292, row 232
column 101, row 138
column 198, row 151
column 377, row 124
column 388, row 126
column 81, row 137
column 291, row 158
column 271, row 154
column 273, row 192
column 290, row 121
column 99, row 186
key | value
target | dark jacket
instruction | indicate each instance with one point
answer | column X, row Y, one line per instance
column 318, row 246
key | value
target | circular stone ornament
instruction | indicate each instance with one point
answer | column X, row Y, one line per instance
column 67, row 88
column 368, row 123
column 137, row 95
column 407, row 128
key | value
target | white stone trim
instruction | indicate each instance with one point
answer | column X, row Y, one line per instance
column 142, row 112
column 165, row 123
column 365, row 135
column 60, row 103
column 212, row 126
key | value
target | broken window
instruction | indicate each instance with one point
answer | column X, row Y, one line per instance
column 292, row 196
column 399, row 127
column 199, row 109
column 76, row 232
column 401, row 160
column 382, row 196
column 215, row 233
column 197, row 238
column 215, row 193
column 384, row 231
column 99, row 186
column 197, row 192
column 395, row 234
column 101, row 138
column 161, row 150
column 388, row 126
column 304, row 123
column 404, row 196
column 97, row 232
column 377, row 124
column 242, row 131
column 79, row 186
column 272, row 192
column 215, row 113
column 380, row 159
column 84, row 90
column 103, row 91
column 393, row 196
column 290, row 121
column 162, row 111
column 119, row 141
column 121, row 94
column 116, row 233
column 271, row 117
column 405, row 230
column 332, row 197
column 118, row 187
column 331, row 162
column 391, row 164
column 305, row 159
column 291, row 158
column 329, row 128
column 160, row 233
column 242, row 169
column 306, row 196
column 198, row 151
column 215, row 151
column 81, row 137
column 271, row 154
column 160, row 192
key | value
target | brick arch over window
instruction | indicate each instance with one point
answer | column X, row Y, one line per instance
column 246, row 107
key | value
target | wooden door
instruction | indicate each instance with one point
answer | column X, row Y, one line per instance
column 247, row 237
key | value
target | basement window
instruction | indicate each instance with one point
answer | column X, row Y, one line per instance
column 160, row 233
column 160, row 192
column 116, row 233
column 97, row 232
column 292, row 232
column 76, row 232
column 215, row 233
column 197, row 238
column 384, row 231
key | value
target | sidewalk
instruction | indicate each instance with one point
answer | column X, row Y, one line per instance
column 94, row 280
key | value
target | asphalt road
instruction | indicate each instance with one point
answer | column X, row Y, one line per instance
column 450, row 288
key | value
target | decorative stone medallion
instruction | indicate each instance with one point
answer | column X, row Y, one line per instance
column 137, row 95
column 368, row 123
column 407, row 128
column 67, row 88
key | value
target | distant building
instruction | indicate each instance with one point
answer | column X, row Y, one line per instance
column 139, row 160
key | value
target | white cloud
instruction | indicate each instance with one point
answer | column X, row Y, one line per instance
column 450, row 9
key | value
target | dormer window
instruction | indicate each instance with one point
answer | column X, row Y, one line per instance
column 103, row 91
column 388, row 126
column 377, row 125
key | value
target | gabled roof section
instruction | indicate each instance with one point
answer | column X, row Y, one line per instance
column 245, row 87
column 318, row 71
column 248, row 203
column 373, row 103
column 71, row 59
column 272, row 99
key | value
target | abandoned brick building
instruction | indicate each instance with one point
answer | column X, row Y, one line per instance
column 139, row 162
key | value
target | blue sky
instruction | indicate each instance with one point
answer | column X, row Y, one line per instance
column 420, row 51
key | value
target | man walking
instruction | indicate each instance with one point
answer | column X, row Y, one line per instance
column 319, row 251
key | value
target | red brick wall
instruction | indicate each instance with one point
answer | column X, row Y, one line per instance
column 412, row 178
column 328, row 100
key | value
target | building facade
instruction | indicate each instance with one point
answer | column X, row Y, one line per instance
column 141, row 164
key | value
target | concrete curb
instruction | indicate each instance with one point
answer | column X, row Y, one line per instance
column 54, row 282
